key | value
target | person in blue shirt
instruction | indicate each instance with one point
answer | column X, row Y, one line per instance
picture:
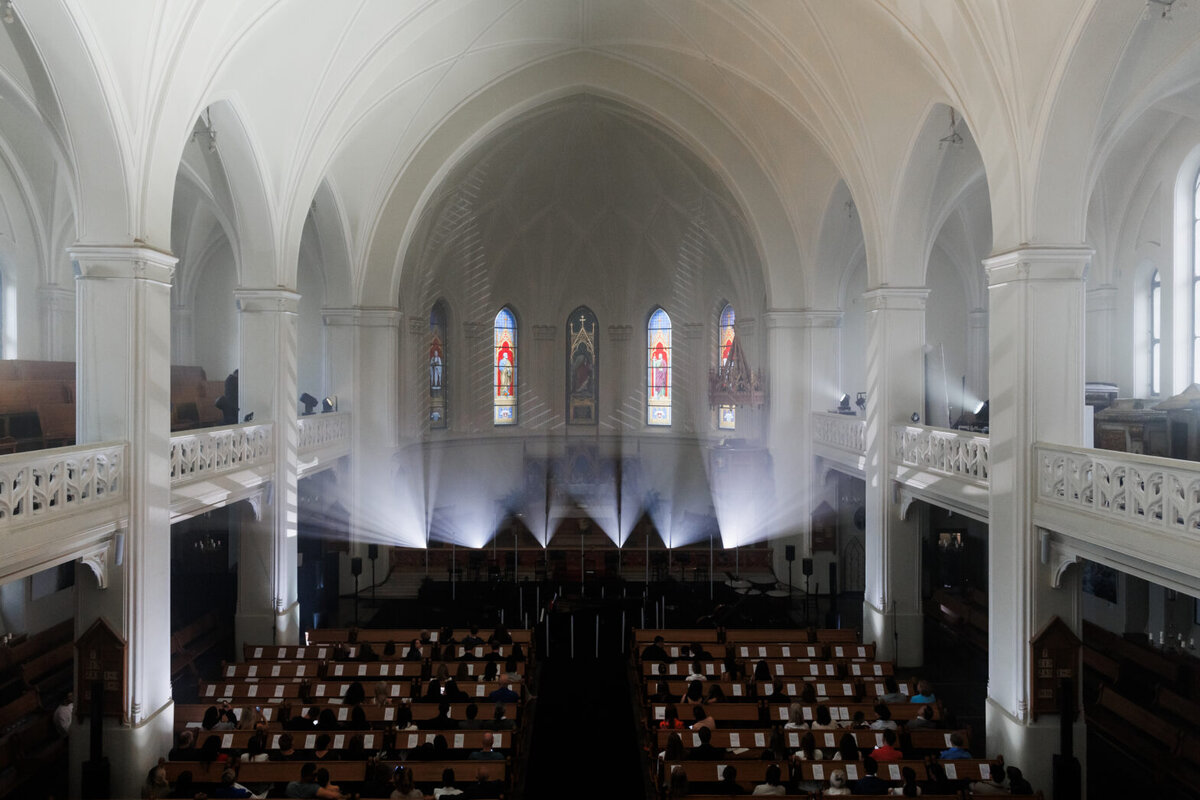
column 924, row 693
column 486, row 752
column 870, row 783
column 957, row 749
column 504, row 694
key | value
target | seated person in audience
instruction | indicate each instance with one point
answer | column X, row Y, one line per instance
column 185, row 746
column 404, row 719
column 447, row 789
column 472, row 721
column 447, row 637
column 229, row 787
column 715, row 694
column 796, row 718
column 698, row 652
column 64, row 714
column 702, row 718
column 779, row 692
column 499, row 720
column 733, row 668
column 256, row 750
column 847, row 749
column 672, row 752
column 729, row 784
column 300, row 722
column 219, row 718
column 493, row 654
column 307, row 786
column 452, row 693
column 491, row 672
column 705, row 750
column 762, row 672
column 472, row 639
column 210, row 752
column 437, row 750
column 670, row 720
column 772, row 785
column 366, row 653
column 870, row 783
column 808, row 749
column 924, row 693
column 483, row 787
column 442, row 722
column 402, row 785
column 662, row 693
column 517, row 653
column 883, row 718
column 776, row 749
column 957, row 748
column 434, row 691
column 389, row 649
column 837, row 783
column 511, row 674
column 381, row 696
column 413, row 653
column 887, row 751
column 504, row 694
column 824, row 720
column 1016, row 782
column 908, row 784
column 355, row 694
column 327, row 720
column 677, row 786
column 156, row 785
column 424, row 638
column 486, row 753
column 286, row 750
column 694, row 693
column 923, row 719
column 322, row 749
column 891, row 691
column 656, row 652
column 500, row 635
column 859, row 722
column 996, row 784
column 808, row 692
column 695, row 672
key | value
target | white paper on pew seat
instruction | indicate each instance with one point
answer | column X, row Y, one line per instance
column 854, row 670
column 737, row 690
column 279, row 690
column 310, row 741
column 779, row 669
column 268, row 713
column 660, row 712
column 948, row 740
column 362, row 669
column 252, row 691
column 211, row 691
column 879, row 690
column 395, row 690
column 847, row 689
column 985, row 771
column 878, row 669
column 227, row 740
column 251, row 671
column 299, row 652
column 852, row 771
column 735, row 739
column 429, row 737
column 471, row 669
column 829, row 741
column 791, row 688
column 783, row 713
column 320, row 690
column 760, row 740
column 369, row 741
column 951, row 770
column 674, row 652
column 708, row 669
column 433, row 636
column 762, row 652
column 862, row 652
column 695, row 740
column 413, row 740
column 498, row 740
column 894, row 772
column 770, row 689
column 808, row 713
column 479, row 690
column 258, row 652
column 343, row 714
column 459, row 740
column 821, row 690
column 793, row 739
column 275, row 742
column 281, row 652
column 479, row 652
column 818, row 772
column 337, row 669
column 720, row 771
column 837, row 651
column 194, row 725
column 383, row 670
column 301, row 670
column 389, row 714
column 228, row 690
column 229, row 671
column 829, row 669
column 843, row 713
column 904, row 688
column 745, row 651
column 787, row 651
column 879, row 740
column 338, row 741
column 321, row 653
column 672, row 669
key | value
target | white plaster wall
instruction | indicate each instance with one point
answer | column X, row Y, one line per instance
column 21, row 613
column 854, row 334
column 946, row 334
column 310, row 355
column 214, row 319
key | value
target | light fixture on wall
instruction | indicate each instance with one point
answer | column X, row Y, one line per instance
column 844, row 405
column 915, row 418
column 952, row 139
column 310, row 403
column 206, row 132
column 329, row 404
column 861, row 402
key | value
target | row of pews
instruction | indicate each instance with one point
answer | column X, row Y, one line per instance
column 370, row 706
column 761, row 722
column 35, row 673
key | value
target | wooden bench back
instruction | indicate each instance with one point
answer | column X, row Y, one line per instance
column 403, row 636
column 748, row 712
column 371, row 740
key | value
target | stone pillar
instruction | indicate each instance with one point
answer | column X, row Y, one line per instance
column 268, row 610
column 123, row 357
column 803, row 350
column 977, row 358
column 892, row 615
column 57, row 320
column 1036, row 298
column 1101, row 327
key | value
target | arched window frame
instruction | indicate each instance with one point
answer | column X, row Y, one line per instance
column 659, row 363
column 1155, row 334
column 726, row 334
column 583, row 367
column 504, row 367
column 439, row 364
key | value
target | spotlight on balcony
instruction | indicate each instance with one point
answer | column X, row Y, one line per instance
column 310, row 403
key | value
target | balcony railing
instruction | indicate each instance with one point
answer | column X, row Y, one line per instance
column 56, row 483
column 321, row 431
column 841, row 431
column 202, row 454
column 943, row 451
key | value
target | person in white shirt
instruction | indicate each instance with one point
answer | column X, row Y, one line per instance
column 796, row 718
column 64, row 715
column 447, row 789
column 883, row 719
column 773, row 784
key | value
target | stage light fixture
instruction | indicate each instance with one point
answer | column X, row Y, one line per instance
column 310, row 403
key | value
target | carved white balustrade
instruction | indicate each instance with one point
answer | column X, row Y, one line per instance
column 203, row 454
column 954, row 453
column 323, row 431
column 841, row 431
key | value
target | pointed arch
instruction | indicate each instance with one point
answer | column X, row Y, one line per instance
column 583, row 364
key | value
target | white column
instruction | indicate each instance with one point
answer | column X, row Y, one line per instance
column 892, row 615
column 1101, row 327
column 268, row 610
column 123, row 358
column 803, row 352
column 57, row 320
column 183, row 337
column 1036, row 298
column 977, row 358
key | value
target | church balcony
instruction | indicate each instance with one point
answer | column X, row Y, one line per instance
column 1138, row 514
column 840, row 441
column 943, row 467
column 213, row 467
column 324, row 438
column 61, row 504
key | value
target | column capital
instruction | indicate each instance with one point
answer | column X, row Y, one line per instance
column 804, row 318
column 278, row 300
column 363, row 316
column 122, row 261
column 1040, row 263
column 897, row 298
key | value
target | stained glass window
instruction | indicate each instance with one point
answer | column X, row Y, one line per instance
column 726, row 414
column 437, row 366
column 504, row 401
column 658, row 367
column 582, row 366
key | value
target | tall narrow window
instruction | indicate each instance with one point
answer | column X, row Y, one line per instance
column 504, row 402
column 726, row 414
column 582, row 367
column 658, row 366
column 1155, row 334
column 437, row 365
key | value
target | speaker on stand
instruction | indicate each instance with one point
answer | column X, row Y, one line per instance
column 373, row 554
column 356, row 570
column 806, row 567
column 789, row 553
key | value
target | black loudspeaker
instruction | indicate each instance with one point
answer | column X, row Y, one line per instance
column 789, row 552
column 356, row 566
column 806, row 566
column 372, row 551
column 833, row 578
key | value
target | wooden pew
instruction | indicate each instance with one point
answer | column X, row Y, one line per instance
column 817, row 651
column 190, row 714
column 888, row 771
column 826, row 740
column 748, row 712
column 331, row 691
column 833, row 689
column 403, row 636
column 57, row 421
column 273, row 670
column 780, row 669
column 1133, row 727
column 265, row 772
column 256, row 652
column 748, row 770
column 194, row 640
column 372, row 740
column 705, row 636
column 16, row 711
